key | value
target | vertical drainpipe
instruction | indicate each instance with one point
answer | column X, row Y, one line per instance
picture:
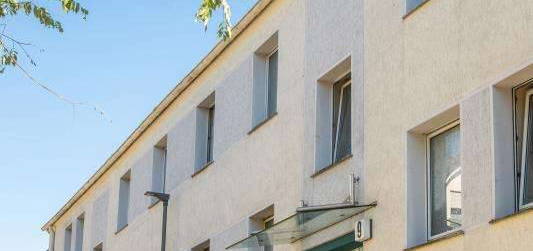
column 52, row 239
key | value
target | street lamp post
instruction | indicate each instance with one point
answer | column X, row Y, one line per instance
column 164, row 198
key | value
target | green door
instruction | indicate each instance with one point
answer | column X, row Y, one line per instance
column 344, row 243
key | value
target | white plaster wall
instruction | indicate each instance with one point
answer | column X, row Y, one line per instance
column 438, row 57
column 476, row 160
column 98, row 220
column 234, row 108
column 331, row 36
column 180, row 151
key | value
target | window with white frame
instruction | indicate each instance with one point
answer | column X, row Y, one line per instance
column 342, row 119
column 333, row 131
column 265, row 82
column 205, row 132
column 525, row 171
column 124, row 200
column 159, row 167
column 67, row 243
column 511, row 122
column 80, row 224
column 444, row 180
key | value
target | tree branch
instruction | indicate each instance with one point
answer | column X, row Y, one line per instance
column 61, row 97
column 3, row 34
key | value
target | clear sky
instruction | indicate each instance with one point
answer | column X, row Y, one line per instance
column 124, row 58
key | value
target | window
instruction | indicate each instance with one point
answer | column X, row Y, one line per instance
column 444, row 180
column 80, row 222
column 526, row 163
column 68, row 238
column 205, row 132
column 410, row 5
column 268, row 222
column 333, row 139
column 124, row 200
column 159, row 167
column 433, row 177
column 341, row 127
column 265, row 86
column 210, row 133
column 522, row 186
column 204, row 246
column 99, row 247
column 510, row 120
column 261, row 221
column 272, row 83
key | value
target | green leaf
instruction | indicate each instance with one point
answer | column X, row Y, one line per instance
column 9, row 56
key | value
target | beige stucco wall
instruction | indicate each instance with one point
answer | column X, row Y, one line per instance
column 449, row 53
column 446, row 53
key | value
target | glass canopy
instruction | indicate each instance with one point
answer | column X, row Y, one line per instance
column 302, row 224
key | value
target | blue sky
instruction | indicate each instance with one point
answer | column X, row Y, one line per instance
column 124, row 58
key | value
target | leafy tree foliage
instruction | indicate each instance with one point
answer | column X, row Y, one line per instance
column 10, row 47
column 205, row 14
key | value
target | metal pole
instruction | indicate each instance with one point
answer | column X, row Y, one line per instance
column 164, row 230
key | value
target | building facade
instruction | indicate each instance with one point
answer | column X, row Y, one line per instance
column 320, row 114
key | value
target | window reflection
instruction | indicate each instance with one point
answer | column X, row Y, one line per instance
column 445, row 210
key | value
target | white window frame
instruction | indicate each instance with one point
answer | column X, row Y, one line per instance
column 267, row 71
column 349, row 82
column 431, row 135
column 521, row 204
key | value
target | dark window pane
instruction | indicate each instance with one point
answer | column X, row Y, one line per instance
column 210, row 134
column 341, row 144
column 445, row 182
column 344, row 146
column 272, row 83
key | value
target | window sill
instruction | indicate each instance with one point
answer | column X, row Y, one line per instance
column 262, row 122
column 519, row 212
column 450, row 235
column 120, row 229
column 408, row 13
column 196, row 172
column 338, row 162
